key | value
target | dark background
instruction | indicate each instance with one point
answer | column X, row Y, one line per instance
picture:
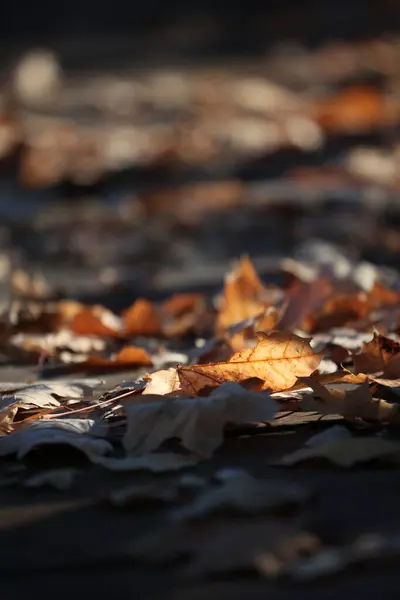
column 242, row 24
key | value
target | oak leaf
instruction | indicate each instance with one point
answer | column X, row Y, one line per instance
column 278, row 359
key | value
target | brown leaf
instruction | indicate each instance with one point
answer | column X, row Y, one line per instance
column 215, row 351
column 142, row 319
column 129, row 356
column 340, row 376
column 180, row 304
column 302, row 299
column 183, row 314
column 278, row 359
column 337, row 311
column 349, row 403
column 376, row 355
column 241, row 297
column 346, row 453
column 392, row 368
column 244, row 335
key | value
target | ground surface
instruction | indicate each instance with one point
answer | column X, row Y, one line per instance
column 102, row 231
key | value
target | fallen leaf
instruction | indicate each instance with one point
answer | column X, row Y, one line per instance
column 376, row 355
column 335, row 433
column 95, row 320
column 347, row 452
column 302, row 298
column 53, row 344
column 352, row 403
column 162, row 382
column 241, row 297
column 243, row 494
column 60, row 479
column 83, row 434
column 338, row 311
column 141, row 319
column 183, row 314
column 179, row 304
column 278, row 359
column 128, row 356
column 197, row 422
column 355, row 109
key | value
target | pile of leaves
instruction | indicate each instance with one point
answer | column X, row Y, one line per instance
column 324, row 342
column 200, row 368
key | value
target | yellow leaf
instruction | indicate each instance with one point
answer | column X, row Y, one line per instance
column 278, row 359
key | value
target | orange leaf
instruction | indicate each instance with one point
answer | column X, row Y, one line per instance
column 127, row 357
column 180, row 304
column 278, row 359
column 95, row 320
column 142, row 319
column 354, row 109
column 242, row 296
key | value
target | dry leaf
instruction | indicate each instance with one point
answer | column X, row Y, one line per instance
column 278, row 359
column 60, row 479
column 183, row 314
column 179, row 304
column 353, row 403
column 141, row 319
column 83, row 434
column 302, row 298
column 197, row 422
column 243, row 494
column 242, row 296
column 355, row 109
column 128, row 356
column 162, row 382
column 336, row 433
column 95, row 320
column 376, row 355
column 347, row 453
